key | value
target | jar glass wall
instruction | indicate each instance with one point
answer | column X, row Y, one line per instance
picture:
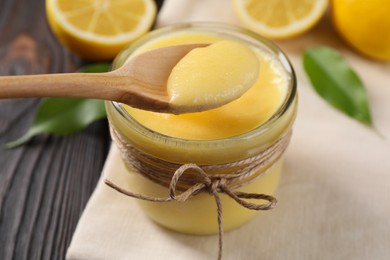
column 198, row 214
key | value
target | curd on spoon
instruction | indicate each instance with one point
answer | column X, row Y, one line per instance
column 212, row 76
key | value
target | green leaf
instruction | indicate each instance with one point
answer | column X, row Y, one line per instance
column 96, row 67
column 64, row 116
column 335, row 81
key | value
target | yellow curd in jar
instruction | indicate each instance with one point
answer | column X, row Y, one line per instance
column 226, row 134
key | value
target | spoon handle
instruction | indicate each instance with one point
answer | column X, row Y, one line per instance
column 105, row 86
column 80, row 85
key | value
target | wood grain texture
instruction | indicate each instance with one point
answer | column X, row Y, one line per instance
column 45, row 185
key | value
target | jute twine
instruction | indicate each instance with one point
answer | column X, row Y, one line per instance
column 191, row 179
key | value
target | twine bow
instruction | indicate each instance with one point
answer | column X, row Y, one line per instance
column 210, row 185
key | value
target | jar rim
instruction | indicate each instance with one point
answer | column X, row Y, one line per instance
column 259, row 130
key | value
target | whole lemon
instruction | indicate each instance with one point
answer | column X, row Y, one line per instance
column 365, row 25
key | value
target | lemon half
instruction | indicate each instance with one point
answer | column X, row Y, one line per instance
column 280, row 19
column 99, row 29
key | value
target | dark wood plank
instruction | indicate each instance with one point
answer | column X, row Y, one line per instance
column 45, row 185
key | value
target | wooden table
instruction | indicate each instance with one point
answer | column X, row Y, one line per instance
column 44, row 185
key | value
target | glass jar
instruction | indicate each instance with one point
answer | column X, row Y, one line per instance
column 198, row 214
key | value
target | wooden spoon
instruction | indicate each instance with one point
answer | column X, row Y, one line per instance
column 140, row 83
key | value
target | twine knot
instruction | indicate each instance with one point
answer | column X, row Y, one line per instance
column 216, row 186
column 206, row 183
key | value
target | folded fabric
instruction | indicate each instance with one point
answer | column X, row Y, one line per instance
column 334, row 196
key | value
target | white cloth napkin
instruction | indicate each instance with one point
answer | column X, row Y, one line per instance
column 334, row 196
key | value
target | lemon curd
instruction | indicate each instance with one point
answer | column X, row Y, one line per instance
column 206, row 77
column 235, row 131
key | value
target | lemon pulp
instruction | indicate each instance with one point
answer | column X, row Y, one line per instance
column 99, row 29
column 280, row 18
